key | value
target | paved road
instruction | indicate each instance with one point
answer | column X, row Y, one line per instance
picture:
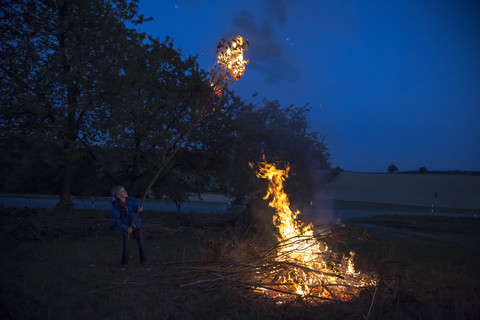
column 196, row 206
column 105, row 204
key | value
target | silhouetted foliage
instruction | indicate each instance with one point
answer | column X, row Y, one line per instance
column 280, row 135
column 59, row 59
column 392, row 169
column 333, row 173
column 160, row 97
column 87, row 102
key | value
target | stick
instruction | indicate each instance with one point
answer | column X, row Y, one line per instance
column 166, row 160
column 371, row 304
column 219, row 81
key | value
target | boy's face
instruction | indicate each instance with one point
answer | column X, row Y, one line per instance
column 122, row 193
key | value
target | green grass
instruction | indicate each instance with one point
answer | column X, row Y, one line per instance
column 432, row 262
column 66, row 266
column 426, row 223
column 378, row 206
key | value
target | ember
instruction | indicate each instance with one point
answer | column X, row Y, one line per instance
column 302, row 263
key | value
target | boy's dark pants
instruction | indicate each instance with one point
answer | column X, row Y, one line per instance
column 137, row 235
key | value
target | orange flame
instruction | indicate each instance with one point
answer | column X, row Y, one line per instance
column 230, row 62
column 308, row 267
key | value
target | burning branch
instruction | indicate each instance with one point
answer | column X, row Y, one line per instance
column 230, row 65
column 228, row 68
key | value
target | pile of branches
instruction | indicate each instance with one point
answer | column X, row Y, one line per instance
column 252, row 269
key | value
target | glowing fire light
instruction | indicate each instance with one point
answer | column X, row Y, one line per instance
column 304, row 264
column 230, row 65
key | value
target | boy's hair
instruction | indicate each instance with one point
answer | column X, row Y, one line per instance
column 115, row 190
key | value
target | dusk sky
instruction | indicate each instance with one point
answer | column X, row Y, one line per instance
column 389, row 82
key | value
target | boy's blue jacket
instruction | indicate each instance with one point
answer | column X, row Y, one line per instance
column 122, row 217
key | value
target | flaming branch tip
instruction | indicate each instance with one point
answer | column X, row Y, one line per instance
column 230, row 65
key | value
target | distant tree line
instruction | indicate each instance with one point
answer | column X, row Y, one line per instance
column 88, row 102
column 423, row 170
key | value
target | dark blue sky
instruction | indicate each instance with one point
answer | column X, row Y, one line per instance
column 389, row 82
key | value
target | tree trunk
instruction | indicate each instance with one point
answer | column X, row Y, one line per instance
column 70, row 78
column 67, row 176
column 69, row 148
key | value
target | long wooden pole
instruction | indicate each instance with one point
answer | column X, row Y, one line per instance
column 220, row 81
column 166, row 160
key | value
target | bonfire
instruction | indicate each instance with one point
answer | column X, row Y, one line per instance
column 298, row 266
column 301, row 263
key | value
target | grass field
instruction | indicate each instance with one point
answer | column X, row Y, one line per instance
column 448, row 192
column 66, row 266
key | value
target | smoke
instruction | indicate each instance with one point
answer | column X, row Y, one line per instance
column 277, row 9
column 320, row 210
column 268, row 42
column 262, row 43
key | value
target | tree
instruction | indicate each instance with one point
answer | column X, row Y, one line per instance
column 58, row 61
column 161, row 93
column 422, row 170
column 392, row 169
column 76, row 81
column 333, row 173
column 278, row 134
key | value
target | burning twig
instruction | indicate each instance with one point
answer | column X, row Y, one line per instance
column 229, row 67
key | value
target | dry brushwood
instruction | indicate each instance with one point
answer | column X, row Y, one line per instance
column 248, row 269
